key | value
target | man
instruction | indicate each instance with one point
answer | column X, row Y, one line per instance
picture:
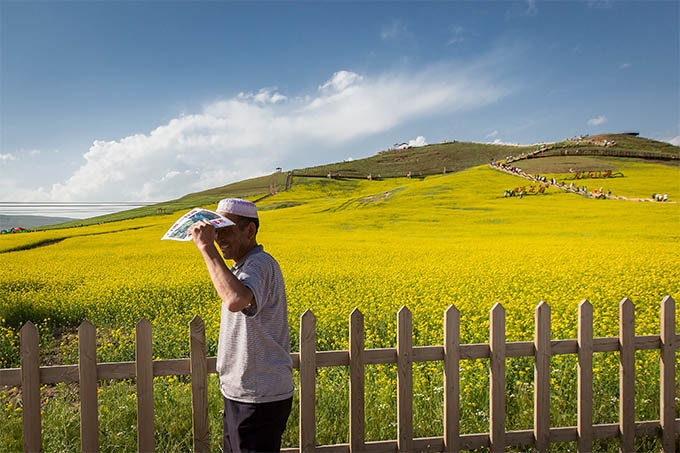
column 253, row 352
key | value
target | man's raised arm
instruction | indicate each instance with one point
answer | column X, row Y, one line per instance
column 233, row 293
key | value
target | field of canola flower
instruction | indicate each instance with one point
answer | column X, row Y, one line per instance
column 373, row 245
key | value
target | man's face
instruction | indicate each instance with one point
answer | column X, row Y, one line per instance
column 233, row 242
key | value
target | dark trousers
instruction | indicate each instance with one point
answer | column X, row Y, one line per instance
column 254, row 427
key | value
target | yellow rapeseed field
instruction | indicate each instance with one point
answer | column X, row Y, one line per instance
column 375, row 245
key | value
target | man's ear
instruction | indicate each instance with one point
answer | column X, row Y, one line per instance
column 252, row 230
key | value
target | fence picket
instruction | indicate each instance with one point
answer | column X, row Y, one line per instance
column 627, row 375
column 585, row 376
column 307, row 382
column 404, row 380
column 452, row 379
column 667, row 374
column 542, row 377
column 356, row 382
column 144, row 368
column 87, row 372
column 30, row 387
column 497, row 378
column 199, row 385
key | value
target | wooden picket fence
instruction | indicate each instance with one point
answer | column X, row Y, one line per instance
column 31, row 375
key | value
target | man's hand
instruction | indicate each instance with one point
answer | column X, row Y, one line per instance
column 203, row 234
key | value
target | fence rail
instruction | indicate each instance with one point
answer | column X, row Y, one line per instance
column 610, row 152
column 31, row 376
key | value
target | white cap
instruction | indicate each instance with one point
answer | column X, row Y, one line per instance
column 238, row 206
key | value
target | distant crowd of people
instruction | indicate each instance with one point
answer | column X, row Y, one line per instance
column 504, row 166
column 585, row 138
column 521, row 191
column 15, row 230
column 591, row 174
column 659, row 197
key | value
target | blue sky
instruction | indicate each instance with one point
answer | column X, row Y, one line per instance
column 147, row 101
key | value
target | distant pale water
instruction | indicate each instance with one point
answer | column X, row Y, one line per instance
column 30, row 221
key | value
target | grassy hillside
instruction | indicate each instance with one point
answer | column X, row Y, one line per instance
column 420, row 161
column 631, row 142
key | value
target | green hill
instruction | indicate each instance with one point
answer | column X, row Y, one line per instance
column 418, row 161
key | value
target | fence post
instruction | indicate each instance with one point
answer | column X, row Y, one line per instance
column 668, row 374
column 30, row 387
column 307, row 381
column 627, row 375
column 87, row 372
column 497, row 378
column 144, row 364
column 404, row 380
column 585, row 376
column 542, row 377
column 199, row 385
column 356, row 382
column 451, row 379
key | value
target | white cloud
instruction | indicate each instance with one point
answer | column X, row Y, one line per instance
column 340, row 81
column 492, row 134
column 264, row 96
column 597, row 120
column 419, row 141
column 251, row 134
column 498, row 141
column 675, row 140
column 625, row 65
column 8, row 156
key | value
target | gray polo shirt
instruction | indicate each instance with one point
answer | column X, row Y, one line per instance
column 253, row 352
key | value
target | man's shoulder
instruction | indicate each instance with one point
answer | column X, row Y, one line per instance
column 260, row 258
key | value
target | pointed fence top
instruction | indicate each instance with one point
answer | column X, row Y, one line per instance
column 28, row 327
column 356, row 314
column 197, row 321
column 143, row 323
column 308, row 314
column 667, row 300
column 497, row 308
column 542, row 305
column 451, row 309
column 404, row 309
column 585, row 303
column 85, row 325
column 626, row 303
